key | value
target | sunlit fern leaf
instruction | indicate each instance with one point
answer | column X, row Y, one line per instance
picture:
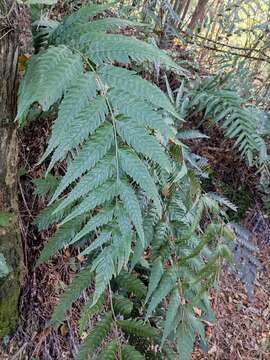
column 142, row 142
column 156, row 275
column 62, row 237
column 131, row 284
column 140, row 112
column 46, row 186
column 121, row 248
column 124, row 221
column 98, row 145
column 171, row 312
column 132, row 206
column 48, row 75
column 76, row 98
column 104, row 170
column 222, row 200
column 109, row 352
column 84, row 124
column 101, row 240
column 80, row 16
column 100, row 330
column 136, row 86
column 138, row 328
column 197, row 326
column 102, row 218
column 48, row 216
column 81, row 32
column 148, row 227
column 185, row 341
column 98, row 196
column 130, row 353
column 111, row 47
column 104, row 268
column 135, row 168
column 122, row 305
column 88, row 311
column 165, row 286
column 81, row 281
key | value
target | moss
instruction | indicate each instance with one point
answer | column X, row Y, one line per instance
column 9, row 313
column 10, row 286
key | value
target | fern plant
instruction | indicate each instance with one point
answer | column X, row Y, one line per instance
column 129, row 185
column 223, row 106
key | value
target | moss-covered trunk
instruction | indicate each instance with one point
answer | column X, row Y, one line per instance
column 10, row 243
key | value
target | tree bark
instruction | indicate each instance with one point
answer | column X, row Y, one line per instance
column 198, row 14
column 10, row 242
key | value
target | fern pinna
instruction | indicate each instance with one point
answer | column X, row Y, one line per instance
column 126, row 187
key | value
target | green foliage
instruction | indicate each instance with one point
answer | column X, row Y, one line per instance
column 137, row 327
column 122, row 305
column 222, row 104
column 82, row 280
column 130, row 353
column 130, row 199
column 109, row 352
column 97, row 335
column 132, row 284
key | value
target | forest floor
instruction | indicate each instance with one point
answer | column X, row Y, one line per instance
column 242, row 329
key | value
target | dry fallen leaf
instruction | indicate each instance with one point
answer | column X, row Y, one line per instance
column 63, row 330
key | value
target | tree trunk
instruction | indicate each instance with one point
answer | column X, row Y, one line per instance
column 10, row 242
column 198, row 14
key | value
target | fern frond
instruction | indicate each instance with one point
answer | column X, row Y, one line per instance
column 88, row 311
column 142, row 142
column 48, row 216
column 102, row 239
column 99, row 144
column 104, row 268
column 76, row 98
column 103, row 171
column 109, row 352
column 79, row 17
column 156, row 275
column 81, row 32
column 47, row 76
column 82, row 126
column 171, row 312
column 93, row 340
column 185, row 341
column 132, row 284
column 98, row 196
column 138, row 328
column 136, row 86
column 82, row 280
column 166, row 284
column 132, row 206
column 122, row 305
column 102, row 218
column 61, row 238
column 46, row 186
column 130, row 353
column 111, row 47
column 140, row 112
